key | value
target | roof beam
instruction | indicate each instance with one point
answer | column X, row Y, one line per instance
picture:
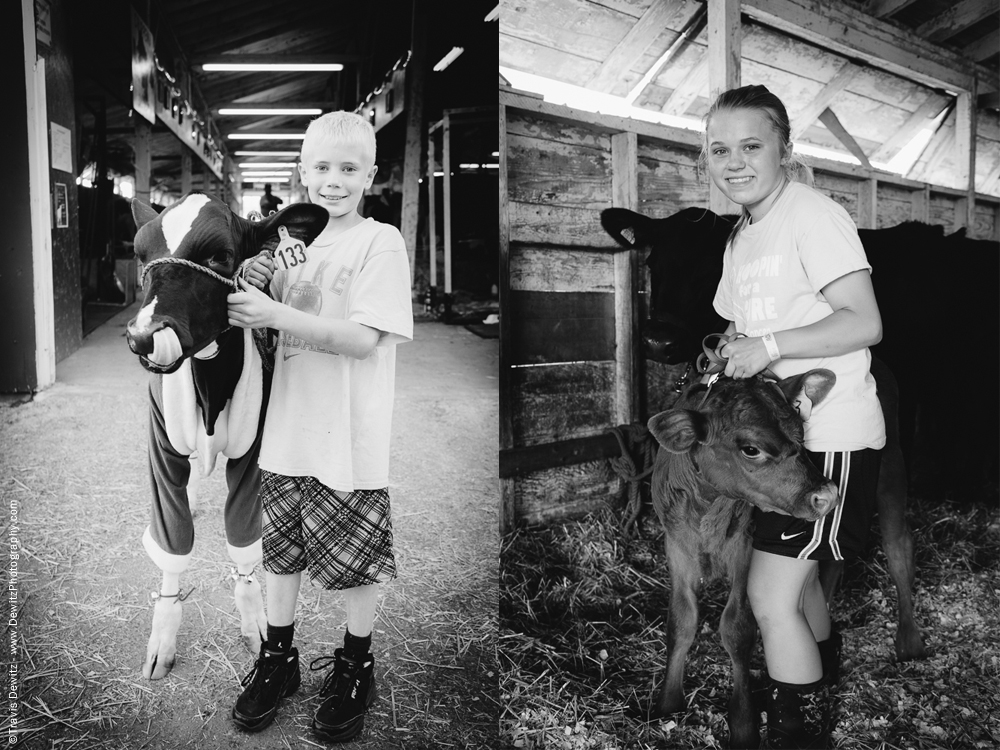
column 924, row 116
column 843, row 30
column 936, row 148
column 634, row 44
column 688, row 33
column 956, row 19
column 809, row 114
column 688, row 90
column 985, row 46
column 829, row 119
column 884, row 8
column 965, row 146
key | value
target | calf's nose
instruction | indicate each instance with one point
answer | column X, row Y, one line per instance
column 824, row 499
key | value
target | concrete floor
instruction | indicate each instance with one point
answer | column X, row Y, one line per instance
column 74, row 459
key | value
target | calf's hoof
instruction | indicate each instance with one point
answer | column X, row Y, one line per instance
column 250, row 604
column 909, row 644
column 161, row 652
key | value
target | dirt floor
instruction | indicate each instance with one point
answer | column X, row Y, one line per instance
column 73, row 460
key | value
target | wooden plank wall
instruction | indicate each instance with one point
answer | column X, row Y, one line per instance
column 570, row 312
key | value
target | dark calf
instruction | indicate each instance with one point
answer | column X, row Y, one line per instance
column 685, row 264
column 739, row 446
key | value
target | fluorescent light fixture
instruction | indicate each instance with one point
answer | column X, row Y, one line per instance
column 493, row 15
column 266, row 179
column 448, row 59
column 265, row 153
column 266, row 136
column 273, row 67
column 265, row 164
column 270, row 111
column 245, row 175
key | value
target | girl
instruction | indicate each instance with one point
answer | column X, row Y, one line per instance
column 796, row 282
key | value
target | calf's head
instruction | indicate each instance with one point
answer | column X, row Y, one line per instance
column 746, row 441
column 685, row 263
column 184, row 309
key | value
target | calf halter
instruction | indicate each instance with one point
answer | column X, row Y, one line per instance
column 219, row 277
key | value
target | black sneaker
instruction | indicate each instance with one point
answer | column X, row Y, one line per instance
column 274, row 676
column 347, row 693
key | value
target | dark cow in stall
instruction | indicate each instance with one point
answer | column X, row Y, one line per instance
column 724, row 449
column 208, row 391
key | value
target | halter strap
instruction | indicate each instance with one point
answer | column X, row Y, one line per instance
column 218, row 277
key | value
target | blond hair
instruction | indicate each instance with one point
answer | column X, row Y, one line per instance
column 340, row 126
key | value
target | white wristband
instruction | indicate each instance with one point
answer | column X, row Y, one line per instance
column 771, row 345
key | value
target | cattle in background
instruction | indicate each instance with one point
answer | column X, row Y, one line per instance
column 685, row 262
column 723, row 450
column 208, row 393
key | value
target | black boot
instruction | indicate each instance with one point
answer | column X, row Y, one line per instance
column 798, row 716
column 347, row 693
column 274, row 676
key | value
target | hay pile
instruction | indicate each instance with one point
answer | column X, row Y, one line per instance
column 583, row 634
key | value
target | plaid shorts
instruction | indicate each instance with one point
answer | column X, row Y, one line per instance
column 343, row 540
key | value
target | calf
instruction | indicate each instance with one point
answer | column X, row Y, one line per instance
column 723, row 450
column 208, row 392
column 685, row 263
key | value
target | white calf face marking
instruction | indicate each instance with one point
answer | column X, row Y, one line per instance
column 177, row 222
column 144, row 318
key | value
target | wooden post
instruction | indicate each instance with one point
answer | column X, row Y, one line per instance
column 965, row 146
column 432, row 204
column 868, row 204
column 920, row 204
column 446, row 168
column 724, row 51
column 414, row 84
column 625, row 194
column 143, row 159
column 507, row 509
column 185, row 170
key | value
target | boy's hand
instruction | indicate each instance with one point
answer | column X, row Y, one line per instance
column 261, row 271
column 250, row 308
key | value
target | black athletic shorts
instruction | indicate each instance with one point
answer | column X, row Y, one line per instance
column 842, row 533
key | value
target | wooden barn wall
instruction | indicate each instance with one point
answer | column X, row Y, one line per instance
column 67, row 302
column 562, row 378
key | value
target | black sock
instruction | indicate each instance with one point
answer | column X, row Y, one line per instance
column 279, row 637
column 355, row 647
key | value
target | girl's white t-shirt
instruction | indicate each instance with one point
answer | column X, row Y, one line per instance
column 772, row 280
column 330, row 415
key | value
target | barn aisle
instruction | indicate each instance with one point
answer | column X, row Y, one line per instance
column 73, row 460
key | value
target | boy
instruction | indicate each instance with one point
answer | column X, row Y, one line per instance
column 344, row 305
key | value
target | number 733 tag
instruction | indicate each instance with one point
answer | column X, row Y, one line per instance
column 290, row 252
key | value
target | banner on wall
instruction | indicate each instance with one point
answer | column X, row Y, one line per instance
column 143, row 71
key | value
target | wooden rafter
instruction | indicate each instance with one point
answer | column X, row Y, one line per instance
column 957, row 18
column 688, row 90
column 694, row 26
column 936, row 149
column 923, row 116
column 808, row 115
column 833, row 124
column 633, row 46
column 885, row 8
column 889, row 47
column 984, row 47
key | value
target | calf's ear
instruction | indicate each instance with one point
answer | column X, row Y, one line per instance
column 304, row 222
column 807, row 389
column 678, row 430
column 142, row 214
column 626, row 227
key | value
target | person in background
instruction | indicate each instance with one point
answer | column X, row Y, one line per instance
column 269, row 202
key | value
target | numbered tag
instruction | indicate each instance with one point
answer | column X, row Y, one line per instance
column 290, row 252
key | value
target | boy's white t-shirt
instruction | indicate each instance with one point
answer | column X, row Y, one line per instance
column 772, row 280
column 329, row 415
